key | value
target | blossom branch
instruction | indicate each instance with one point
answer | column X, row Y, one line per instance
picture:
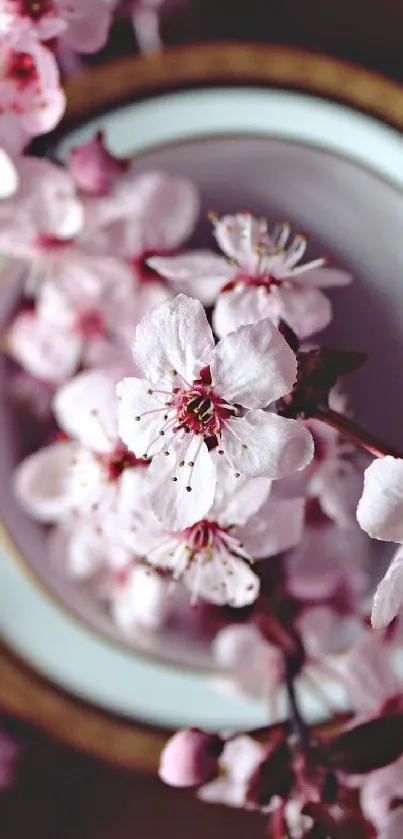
column 357, row 435
column 298, row 724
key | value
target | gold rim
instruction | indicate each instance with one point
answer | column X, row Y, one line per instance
column 23, row 692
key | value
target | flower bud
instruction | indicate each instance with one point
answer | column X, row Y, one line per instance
column 93, row 168
column 190, row 758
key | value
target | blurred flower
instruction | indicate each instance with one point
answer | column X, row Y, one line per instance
column 31, row 99
column 89, row 473
column 240, row 758
column 380, row 514
column 83, row 26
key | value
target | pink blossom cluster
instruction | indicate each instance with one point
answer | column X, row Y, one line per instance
column 199, row 441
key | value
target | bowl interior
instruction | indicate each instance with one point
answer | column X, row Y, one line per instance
column 351, row 214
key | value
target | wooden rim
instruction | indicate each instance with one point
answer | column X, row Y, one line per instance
column 23, row 692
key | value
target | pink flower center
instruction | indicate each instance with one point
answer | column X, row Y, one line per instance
column 35, row 9
column 51, row 243
column 266, row 281
column 22, row 69
column 203, row 534
column 120, row 460
column 90, row 323
column 143, row 273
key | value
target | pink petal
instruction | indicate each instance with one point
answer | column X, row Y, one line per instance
column 8, row 175
column 13, row 138
column 166, row 207
column 88, row 24
column 142, row 601
column 324, row 632
column 237, row 499
column 277, row 526
column 306, row 310
column 388, row 599
column 238, row 236
column 262, row 443
column 171, row 502
column 137, row 397
column 174, row 337
column 253, row 366
column 46, row 113
column 324, row 278
column 86, row 409
column 255, row 666
column 242, row 305
column 394, row 826
column 201, row 273
column 31, row 341
column 41, row 482
column 380, row 510
column 230, row 583
column 368, row 674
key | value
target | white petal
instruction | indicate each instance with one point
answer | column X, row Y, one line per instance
column 237, row 499
column 8, row 176
column 166, row 207
column 223, row 580
column 253, row 366
column 175, row 506
column 325, row 278
column 136, row 398
column 262, row 443
column 276, row 527
column 239, row 237
column 41, row 482
column 254, row 666
column 223, row 791
column 143, row 600
column 202, row 272
column 174, row 337
column 242, row 305
column 45, row 351
column 394, row 827
column 86, row 408
column 306, row 310
column 86, row 551
column 241, row 757
column 388, row 600
column 368, row 673
column 380, row 510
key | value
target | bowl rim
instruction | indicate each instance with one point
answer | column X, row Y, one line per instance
column 23, row 692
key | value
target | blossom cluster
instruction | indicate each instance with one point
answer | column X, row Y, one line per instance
column 197, row 443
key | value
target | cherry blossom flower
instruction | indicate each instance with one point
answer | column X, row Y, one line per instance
column 62, row 332
column 90, row 473
column 253, row 666
column 83, row 26
column 190, row 758
column 330, row 587
column 141, row 599
column 260, row 277
column 31, row 99
column 335, row 475
column 44, row 226
column 196, row 394
column 374, row 689
column 9, row 753
column 240, row 758
column 380, row 514
column 213, row 556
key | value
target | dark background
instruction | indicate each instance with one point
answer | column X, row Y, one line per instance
column 63, row 795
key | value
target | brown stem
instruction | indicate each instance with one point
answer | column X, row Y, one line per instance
column 298, row 724
column 357, row 435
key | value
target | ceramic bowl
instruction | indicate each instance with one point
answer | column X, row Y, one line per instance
column 249, row 137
